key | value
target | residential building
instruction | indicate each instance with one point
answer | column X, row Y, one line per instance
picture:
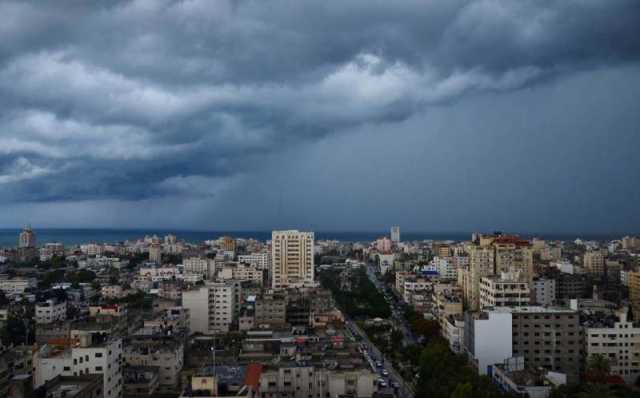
column 515, row 255
column 549, row 338
column 50, row 311
column 270, row 310
column 481, row 264
column 228, row 244
column 85, row 386
column 13, row 286
column 634, row 291
column 141, row 380
column 453, row 331
column 112, row 291
column 260, row 260
column 594, row 261
column 631, row 243
column 211, row 307
column 309, row 381
column 165, row 353
column 505, row 290
column 196, row 265
column 241, row 272
column 571, row 286
column 513, row 378
column 94, row 353
column 617, row 340
column 292, row 255
column 488, row 339
column 544, row 291
column 155, row 252
column 447, row 269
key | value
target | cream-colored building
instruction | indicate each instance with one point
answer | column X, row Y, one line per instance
column 16, row 285
column 593, row 262
column 504, row 290
column 481, row 264
column 196, row 265
column 112, row 291
column 514, row 255
column 292, row 259
column 155, row 252
column 619, row 343
column 634, row 290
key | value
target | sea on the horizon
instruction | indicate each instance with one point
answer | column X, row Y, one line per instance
column 76, row 236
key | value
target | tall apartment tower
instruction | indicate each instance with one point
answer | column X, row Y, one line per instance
column 594, row 261
column 395, row 234
column 481, row 264
column 27, row 238
column 634, row 291
column 292, row 259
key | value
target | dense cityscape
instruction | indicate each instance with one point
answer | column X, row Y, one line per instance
column 493, row 316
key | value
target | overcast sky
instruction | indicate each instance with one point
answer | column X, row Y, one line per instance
column 332, row 115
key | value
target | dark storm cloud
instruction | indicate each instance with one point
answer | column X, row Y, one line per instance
column 137, row 99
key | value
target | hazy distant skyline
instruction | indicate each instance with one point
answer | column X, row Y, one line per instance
column 336, row 116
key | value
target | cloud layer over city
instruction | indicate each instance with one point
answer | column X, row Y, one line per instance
column 230, row 114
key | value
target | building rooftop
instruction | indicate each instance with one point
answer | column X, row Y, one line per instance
column 533, row 309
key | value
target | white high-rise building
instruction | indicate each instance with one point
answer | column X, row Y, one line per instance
column 292, row 259
column 395, row 234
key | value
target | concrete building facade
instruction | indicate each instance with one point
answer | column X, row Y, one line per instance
column 292, row 259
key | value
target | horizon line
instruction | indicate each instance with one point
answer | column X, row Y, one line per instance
column 410, row 231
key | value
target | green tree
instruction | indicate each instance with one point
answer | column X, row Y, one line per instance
column 598, row 368
column 462, row 391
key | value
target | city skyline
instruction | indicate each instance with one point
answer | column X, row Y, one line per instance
column 451, row 115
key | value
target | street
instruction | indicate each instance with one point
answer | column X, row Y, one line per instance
column 398, row 316
column 375, row 357
column 404, row 390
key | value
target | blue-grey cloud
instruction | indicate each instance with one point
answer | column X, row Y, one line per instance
column 138, row 99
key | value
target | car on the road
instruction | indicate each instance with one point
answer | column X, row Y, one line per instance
column 379, row 364
column 395, row 384
column 385, row 372
column 382, row 384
